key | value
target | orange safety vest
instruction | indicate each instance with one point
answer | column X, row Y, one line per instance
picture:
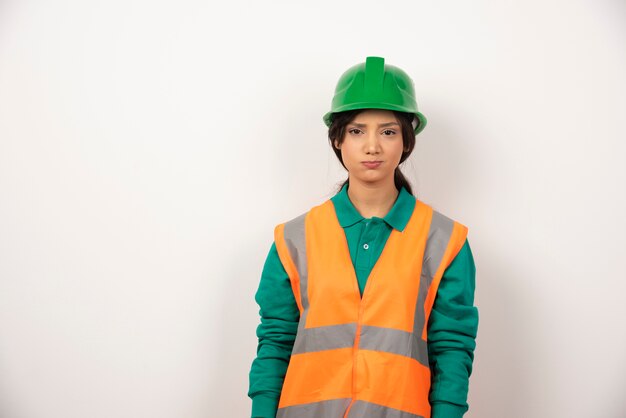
column 362, row 357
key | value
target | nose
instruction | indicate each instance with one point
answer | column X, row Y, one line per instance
column 372, row 143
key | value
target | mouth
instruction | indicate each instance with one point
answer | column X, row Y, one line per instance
column 371, row 164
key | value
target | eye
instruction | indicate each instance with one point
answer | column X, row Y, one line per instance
column 389, row 132
column 355, row 131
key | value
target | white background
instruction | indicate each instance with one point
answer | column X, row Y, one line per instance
column 148, row 149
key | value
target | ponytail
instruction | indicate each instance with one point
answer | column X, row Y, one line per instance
column 400, row 181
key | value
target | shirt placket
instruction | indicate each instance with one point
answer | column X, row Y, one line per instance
column 366, row 245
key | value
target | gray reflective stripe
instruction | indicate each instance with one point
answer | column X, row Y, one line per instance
column 362, row 409
column 394, row 341
column 324, row 338
column 372, row 338
column 438, row 237
column 296, row 243
column 334, row 408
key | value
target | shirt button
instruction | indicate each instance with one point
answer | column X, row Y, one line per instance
column 366, row 246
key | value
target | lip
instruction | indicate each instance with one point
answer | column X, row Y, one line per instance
column 371, row 164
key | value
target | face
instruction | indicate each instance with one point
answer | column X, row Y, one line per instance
column 373, row 136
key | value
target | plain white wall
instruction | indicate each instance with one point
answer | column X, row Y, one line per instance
column 148, row 149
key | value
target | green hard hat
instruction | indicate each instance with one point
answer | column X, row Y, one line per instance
column 375, row 85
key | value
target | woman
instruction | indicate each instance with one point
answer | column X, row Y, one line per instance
column 367, row 299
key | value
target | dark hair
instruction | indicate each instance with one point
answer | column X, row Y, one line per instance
column 337, row 130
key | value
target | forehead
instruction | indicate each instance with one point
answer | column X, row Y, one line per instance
column 375, row 116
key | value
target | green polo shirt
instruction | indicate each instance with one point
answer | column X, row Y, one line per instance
column 452, row 325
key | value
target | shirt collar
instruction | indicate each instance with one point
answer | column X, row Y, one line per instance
column 397, row 217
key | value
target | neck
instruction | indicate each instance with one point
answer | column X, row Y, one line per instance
column 372, row 200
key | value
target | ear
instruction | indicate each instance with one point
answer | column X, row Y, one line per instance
column 336, row 144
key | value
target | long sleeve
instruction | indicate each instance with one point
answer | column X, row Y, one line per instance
column 452, row 329
column 276, row 334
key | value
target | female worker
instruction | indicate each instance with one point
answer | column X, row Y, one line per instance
column 366, row 300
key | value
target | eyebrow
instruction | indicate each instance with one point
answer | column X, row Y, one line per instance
column 363, row 125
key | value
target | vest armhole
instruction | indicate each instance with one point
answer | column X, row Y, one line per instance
column 461, row 231
column 457, row 239
column 288, row 264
